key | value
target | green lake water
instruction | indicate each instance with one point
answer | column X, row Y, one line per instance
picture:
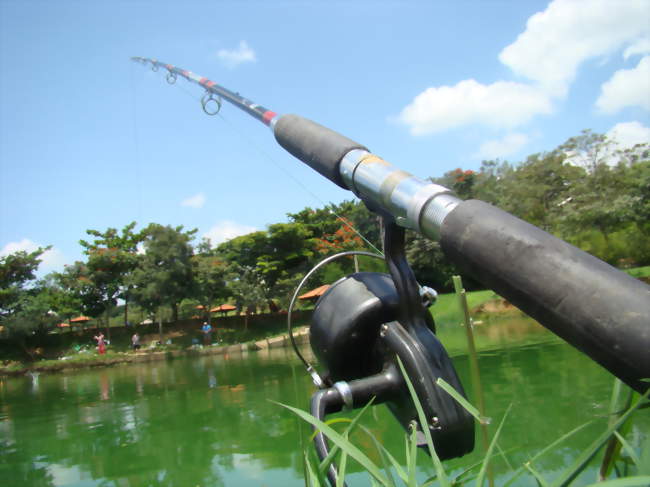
column 211, row 421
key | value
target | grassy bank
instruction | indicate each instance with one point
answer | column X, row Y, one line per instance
column 639, row 272
column 445, row 311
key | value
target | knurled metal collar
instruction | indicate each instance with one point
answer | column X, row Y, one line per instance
column 420, row 200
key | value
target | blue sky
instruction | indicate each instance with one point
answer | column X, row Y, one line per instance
column 89, row 139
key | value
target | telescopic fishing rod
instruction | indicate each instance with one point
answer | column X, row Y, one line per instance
column 596, row 308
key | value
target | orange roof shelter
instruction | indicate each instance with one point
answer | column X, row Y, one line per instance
column 80, row 319
column 63, row 325
column 223, row 308
column 315, row 293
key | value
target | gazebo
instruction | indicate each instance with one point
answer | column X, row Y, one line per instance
column 314, row 293
column 223, row 308
column 80, row 319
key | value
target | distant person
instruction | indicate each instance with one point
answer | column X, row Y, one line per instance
column 135, row 341
column 206, row 329
column 101, row 343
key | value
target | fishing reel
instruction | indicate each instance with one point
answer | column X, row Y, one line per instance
column 359, row 329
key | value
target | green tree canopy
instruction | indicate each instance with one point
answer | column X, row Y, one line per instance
column 210, row 280
column 164, row 273
column 24, row 307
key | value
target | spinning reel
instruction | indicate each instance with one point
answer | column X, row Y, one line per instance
column 359, row 328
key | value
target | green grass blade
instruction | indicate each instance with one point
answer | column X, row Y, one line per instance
column 335, row 449
column 314, row 477
column 640, row 481
column 343, row 443
column 613, row 448
column 440, row 470
column 311, row 476
column 343, row 463
column 505, row 458
column 628, row 449
column 644, row 466
column 459, row 478
column 412, row 455
column 540, row 480
column 583, row 459
column 488, row 454
column 449, row 389
column 407, row 452
column 545, row 450
column 387, row 460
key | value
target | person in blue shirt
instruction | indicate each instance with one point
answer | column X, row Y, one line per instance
column 207, row 333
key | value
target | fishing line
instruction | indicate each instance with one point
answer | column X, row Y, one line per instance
column 263, row 153
column 250, row 142
column 136, row 143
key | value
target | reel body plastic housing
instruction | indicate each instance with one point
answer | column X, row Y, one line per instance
column 356, row 337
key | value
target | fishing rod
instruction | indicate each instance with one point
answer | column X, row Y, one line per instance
column 596, row 308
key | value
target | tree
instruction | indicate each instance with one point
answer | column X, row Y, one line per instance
column 317, row 221
column 429, row 264
column 588, row 150
column 75, row 279
column 210, row 278
column 164, row 273
column 112, row 256
column 16, row 271
column 287, row 258
column 247, row 288
column 611, row 197
column 62, row 293
column 639, row 191
column 24, row 308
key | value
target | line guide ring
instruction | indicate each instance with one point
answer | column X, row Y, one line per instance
column 207, row 97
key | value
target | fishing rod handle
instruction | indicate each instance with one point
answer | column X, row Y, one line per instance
column 319, row 147
column 598, row 309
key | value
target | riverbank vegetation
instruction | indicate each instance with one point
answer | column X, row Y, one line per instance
column 584, row 191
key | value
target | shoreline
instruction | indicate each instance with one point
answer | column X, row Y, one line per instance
column 485, row 309
column 91, row 360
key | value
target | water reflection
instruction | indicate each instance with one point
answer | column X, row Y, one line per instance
column 210, row 421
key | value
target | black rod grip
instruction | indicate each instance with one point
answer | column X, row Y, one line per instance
column 596, row 308
column 319, row 147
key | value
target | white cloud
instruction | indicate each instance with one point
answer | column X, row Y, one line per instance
column 196, row 201
column 503, row 147
column 232, row 58
column 626, row 88
column 502, row 104
column 548, row 52
column 642, row 46
column 225, row 230
column 569, row 32
column 51, row 260
column 628, row 134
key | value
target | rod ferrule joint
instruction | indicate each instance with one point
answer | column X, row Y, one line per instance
column 414, row 203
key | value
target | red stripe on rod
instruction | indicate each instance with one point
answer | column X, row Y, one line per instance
column 210, row 84
column 268, row 116
column 203, row 80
